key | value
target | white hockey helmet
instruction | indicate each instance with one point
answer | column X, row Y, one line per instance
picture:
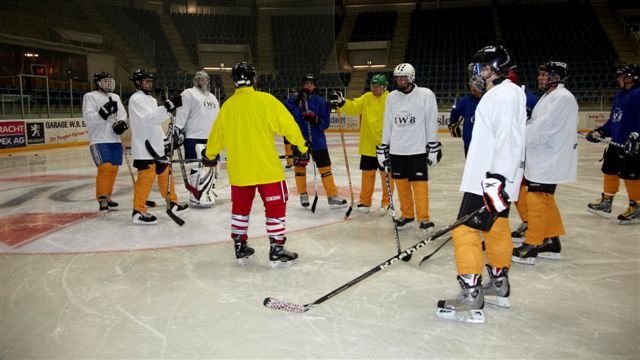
column 405, row 69
column 201, row 81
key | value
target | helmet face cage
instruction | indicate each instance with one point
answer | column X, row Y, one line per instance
column 139, row 75
column 631, row 70
column 497, row 57
column 104, row 80
column 405, row 69
column 555, row 68
column 243, row 74
column 201, row 81
column 379, row 79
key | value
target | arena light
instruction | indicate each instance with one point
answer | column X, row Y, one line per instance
column 377, row 66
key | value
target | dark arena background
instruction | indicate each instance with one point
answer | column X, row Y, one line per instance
column 79, row 284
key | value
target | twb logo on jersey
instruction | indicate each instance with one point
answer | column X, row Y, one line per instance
column 616, row 116
column 404, row 119
column 209, row 104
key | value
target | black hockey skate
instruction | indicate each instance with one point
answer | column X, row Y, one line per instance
column 403, row 223
column 103, row 203
column 525, row 254
column 140, row 218
column 244, row 253
column 426, row 226
column 602, row 206
column 497, row 289
column 517, row 236
column 304, row 200
column 632, row 215
column 550, row 248
column 279, row 256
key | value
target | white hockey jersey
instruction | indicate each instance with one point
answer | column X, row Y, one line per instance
column 498, row 139
column 197, row 113
column 551, row 140
column 410, row 121
column 146, row 119
column 100, row 130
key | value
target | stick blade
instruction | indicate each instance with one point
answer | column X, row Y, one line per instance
column 346, row 216
column 175, row 217
column 277, row 304
column 315, row 202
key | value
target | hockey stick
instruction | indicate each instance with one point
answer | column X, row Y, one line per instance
column 434, row 251
column 603, row 140
column 149, row 203
column 277, row 304
column 187, row 185
column 387, row 170
column 169, row 164
column 346, row 161
column 315, row 176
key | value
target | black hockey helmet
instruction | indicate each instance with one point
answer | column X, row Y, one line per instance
column 140, row 74
column 97, row 76
column 243, row 74
column 496, row 56
column 103, row 80
column 555, row 68
column 309, row 77
column 629, row 70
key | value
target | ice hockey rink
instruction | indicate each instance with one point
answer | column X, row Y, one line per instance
column 75, row 284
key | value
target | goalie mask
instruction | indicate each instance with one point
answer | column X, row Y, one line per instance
column 201, row 81
column 104, row 80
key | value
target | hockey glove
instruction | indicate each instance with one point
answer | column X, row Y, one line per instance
column 299, row 159
column 455, row 130
column 632, row 146
column 595, row 136
column 495, row 197
column 302, row 96
column 174, row 134
column 311, row 118
column 336, row 99
column 173, row 103
column 382, row 152
column 119, row 127
column 110, row 107
column 209, row 162
column 434, row 153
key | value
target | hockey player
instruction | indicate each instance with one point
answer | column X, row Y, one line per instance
column 463, row 110
column 410, row 143
column 370, row 106
column 105, row 116
column 195, row 118
column 521, row 203
column 552, row 158
column 623, row 127
column 245, row 127
column 146, row 118
column 492, row 175
column 311, row 112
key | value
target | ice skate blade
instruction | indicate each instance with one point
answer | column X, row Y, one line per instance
column 471, row 316
column 499, row 301
column 526, row 261
column 338, row 206
column 603, row 214
column 404, row 227
column 283, row 264
column 549, row 255
column 245, row 260
column 198, row 205
column 628, row 222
